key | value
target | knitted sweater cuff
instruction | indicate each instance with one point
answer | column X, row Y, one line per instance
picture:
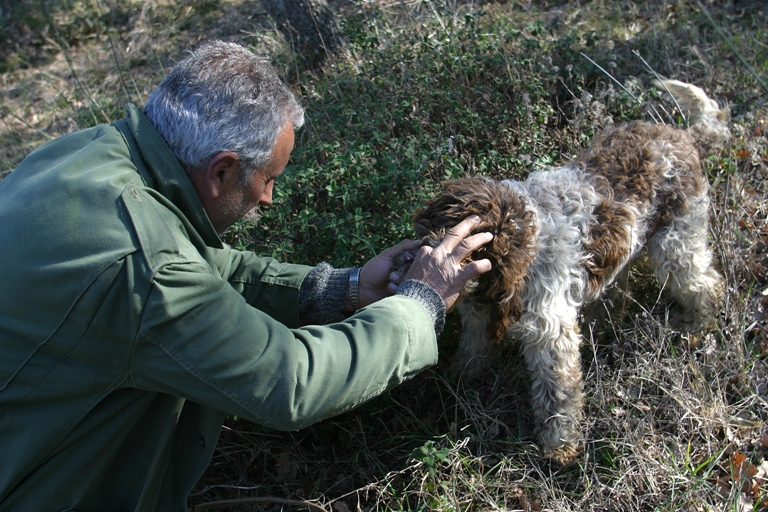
column 323, row 295
column 428, row 298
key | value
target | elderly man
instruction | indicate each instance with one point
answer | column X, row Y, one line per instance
column 127, row 328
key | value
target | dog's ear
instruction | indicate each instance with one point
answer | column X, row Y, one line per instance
column 503, row 213
column 458, row 200
column 511, row 253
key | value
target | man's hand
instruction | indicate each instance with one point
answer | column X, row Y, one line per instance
column 375, row 275
column 441, row 267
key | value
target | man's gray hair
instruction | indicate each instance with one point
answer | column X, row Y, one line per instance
column 222, row 97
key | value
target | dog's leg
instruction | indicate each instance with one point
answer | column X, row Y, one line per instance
column 683, row 263
column 475, row 343
column 551, row 341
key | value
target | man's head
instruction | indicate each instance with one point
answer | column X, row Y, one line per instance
column 229, row 119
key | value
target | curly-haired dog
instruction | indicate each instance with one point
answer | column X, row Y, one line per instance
column 563, row 235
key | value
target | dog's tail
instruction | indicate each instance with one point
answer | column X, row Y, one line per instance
column 707, row 122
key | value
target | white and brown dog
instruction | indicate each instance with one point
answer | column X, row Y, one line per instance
column 563, row 235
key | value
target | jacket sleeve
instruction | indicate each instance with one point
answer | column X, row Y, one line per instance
column 265, row 283
column 200, row 339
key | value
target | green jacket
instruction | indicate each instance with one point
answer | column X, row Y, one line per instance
column 127, row 328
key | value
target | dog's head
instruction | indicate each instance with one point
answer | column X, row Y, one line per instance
column 502, row 212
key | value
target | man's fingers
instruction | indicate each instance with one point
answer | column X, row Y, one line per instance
column 442, row 267
column 458, row 233
column 405, row 245
column 475, row 269
column 470, row 244
column 401, row 253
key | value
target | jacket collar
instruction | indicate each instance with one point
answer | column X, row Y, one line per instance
column 168, row 177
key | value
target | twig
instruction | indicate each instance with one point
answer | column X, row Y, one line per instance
column 119, row 68
column 224, row 486
column 249, row 501
column 617, row 82
column 23, row 121
column 610, row 76
column 669, row 116
column 637, row 54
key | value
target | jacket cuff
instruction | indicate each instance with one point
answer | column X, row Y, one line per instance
column 322, row 295
column 428, row 298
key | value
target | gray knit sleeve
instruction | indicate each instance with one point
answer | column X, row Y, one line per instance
column 323, row 294
column 428, row 298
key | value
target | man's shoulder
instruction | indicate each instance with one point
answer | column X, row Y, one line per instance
column 162, row 231
column 77, row 141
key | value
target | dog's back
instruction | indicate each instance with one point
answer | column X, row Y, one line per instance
column 648, row 174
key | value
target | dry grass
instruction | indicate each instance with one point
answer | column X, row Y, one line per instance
column 666, row 424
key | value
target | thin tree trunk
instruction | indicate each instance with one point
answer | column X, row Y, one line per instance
column 309, row 25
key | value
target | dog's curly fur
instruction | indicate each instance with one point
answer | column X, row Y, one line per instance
column 562, row 236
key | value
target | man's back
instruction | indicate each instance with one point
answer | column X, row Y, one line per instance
column 73, row 280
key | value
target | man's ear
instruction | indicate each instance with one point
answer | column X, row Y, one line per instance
column 222, row 174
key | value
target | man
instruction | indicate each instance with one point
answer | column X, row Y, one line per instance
column 127, row 327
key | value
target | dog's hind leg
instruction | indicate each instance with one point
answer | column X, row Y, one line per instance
column 683, row 264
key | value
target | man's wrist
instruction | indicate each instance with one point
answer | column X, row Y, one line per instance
column 428, row 298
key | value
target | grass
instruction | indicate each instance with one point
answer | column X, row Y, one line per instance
column 432, row 91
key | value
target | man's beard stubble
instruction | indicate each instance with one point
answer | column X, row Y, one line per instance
column 253, row 216
column 233, row 208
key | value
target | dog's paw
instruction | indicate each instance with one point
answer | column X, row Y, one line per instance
column 693, row 325
column 564, row 455
column 561, row 438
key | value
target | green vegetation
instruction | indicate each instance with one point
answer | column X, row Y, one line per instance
column 431, row 91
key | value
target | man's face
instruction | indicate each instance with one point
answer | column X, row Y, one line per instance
column 243, row 201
